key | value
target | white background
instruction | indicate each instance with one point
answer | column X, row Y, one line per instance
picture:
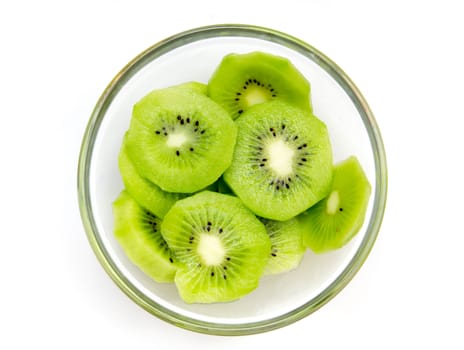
column 56, row 58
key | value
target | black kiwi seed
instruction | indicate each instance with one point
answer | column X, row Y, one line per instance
column 170, row 259
column 225, row 277
column 191, row 149
column 212, row 273
column 177, row 153
column 341, row 209
column 179, row 117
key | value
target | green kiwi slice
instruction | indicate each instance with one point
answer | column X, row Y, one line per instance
column 282, row 162
column 221, row 247
column 287, row 248
column 139, row 234
column 193, row 86
column 336, row 219
column 145, row 192
column 243, row 80
column 180, row 139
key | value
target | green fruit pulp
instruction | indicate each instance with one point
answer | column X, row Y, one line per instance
column 138, row 233
column 179, row 140
column 221, row 247
column 282, row 162
column 244, row 80
column 335, row 220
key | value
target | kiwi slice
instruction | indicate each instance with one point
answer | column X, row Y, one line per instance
column 221, row 247
column 336, row 219
column 145, row 192
column 282, row 162
column 243, row 80
column 287, row 247
column 193, row 86
column 180, row 140
column 138, row 232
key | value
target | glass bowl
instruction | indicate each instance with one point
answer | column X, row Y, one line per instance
column 192, row 56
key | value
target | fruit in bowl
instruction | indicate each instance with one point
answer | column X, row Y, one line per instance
column 229, row 181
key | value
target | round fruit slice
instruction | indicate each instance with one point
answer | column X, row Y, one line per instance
column 194, row 87
column 145, row 192
column 243, row 80
column 287, row 247
column 221, row 247
column 282, row 162
column 138, row 232
column 335, row 220
column 180, row 140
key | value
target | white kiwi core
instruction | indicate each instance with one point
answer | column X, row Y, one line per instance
column 255, row 96
column 210, row 249
column 280, row 158
column 333, row 203
column 177, row 139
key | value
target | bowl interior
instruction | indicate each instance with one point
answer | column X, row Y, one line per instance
column 196, row 61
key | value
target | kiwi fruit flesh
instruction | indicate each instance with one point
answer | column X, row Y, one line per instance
column 193, row 86
column 282, row 161
column 243, row 80
column 149, row 195
column 287, row 248
column 335, row 220
column 180, row 139
column 139, row 234
column 221, row 247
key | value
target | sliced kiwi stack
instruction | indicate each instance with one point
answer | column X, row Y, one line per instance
column 229, row 181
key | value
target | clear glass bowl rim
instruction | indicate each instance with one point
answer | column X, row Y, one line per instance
column 173, row 42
